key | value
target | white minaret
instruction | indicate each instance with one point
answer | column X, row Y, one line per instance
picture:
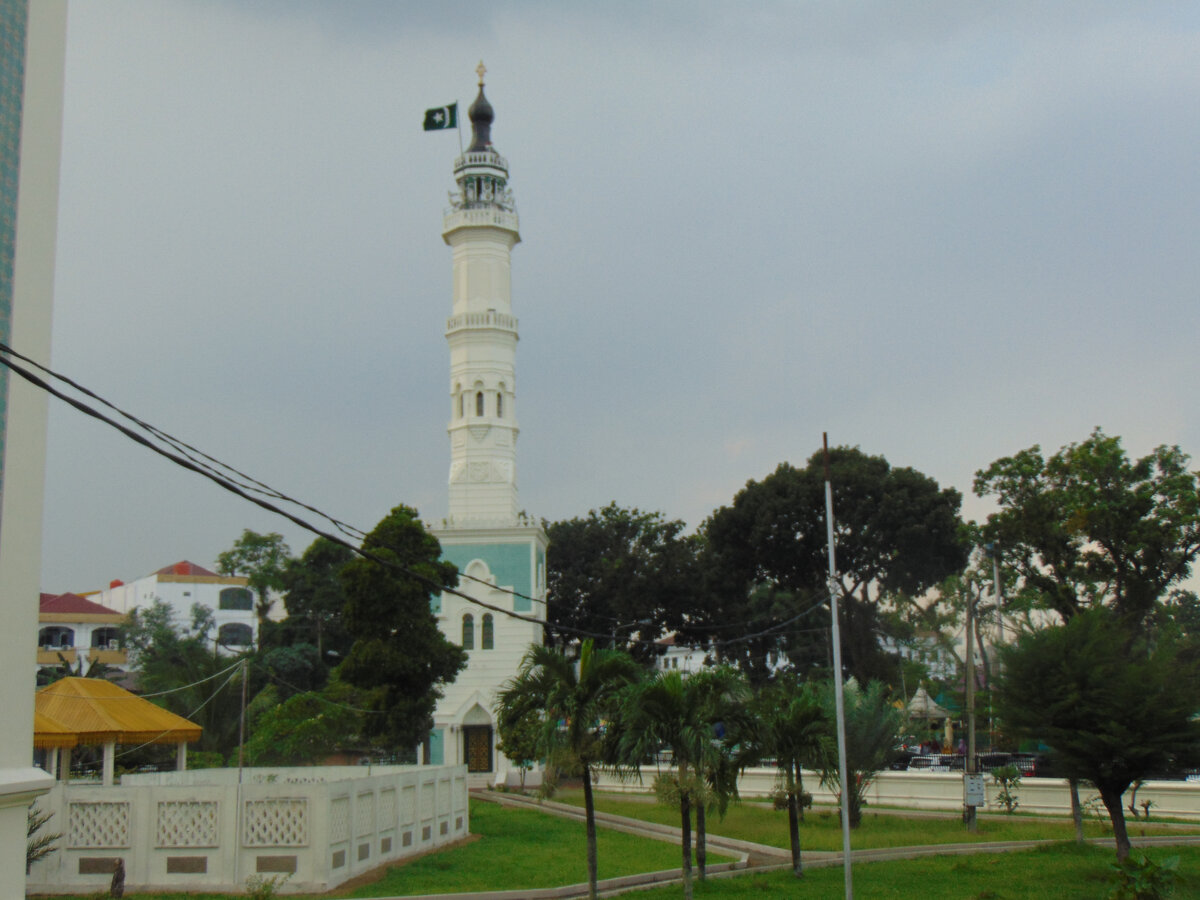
column 500, row 551
column 481, row 227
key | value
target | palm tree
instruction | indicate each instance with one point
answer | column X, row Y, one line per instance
column 794, row 730
column 872, row 732
column 573, row 697
column 681, row 714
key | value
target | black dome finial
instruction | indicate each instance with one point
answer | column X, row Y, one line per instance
column 481, row 115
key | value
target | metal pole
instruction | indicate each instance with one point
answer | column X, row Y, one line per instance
column 242, row 720
column 969, row 769
column 839, row 699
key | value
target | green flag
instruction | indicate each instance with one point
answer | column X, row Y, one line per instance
column 441, row 117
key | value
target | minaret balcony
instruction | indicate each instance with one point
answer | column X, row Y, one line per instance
column 480, row 320
column 487, row 158
column 491, row 215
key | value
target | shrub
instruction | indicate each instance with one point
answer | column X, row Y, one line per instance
column 1009, row 779
column 1143, row 879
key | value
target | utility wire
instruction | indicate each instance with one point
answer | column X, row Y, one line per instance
column 247, row 488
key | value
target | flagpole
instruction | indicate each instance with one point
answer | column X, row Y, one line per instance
column 839, row 699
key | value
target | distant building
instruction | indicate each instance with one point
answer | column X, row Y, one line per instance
column 676, row 657
column 500, row 552
column 181, row 586
column 79, row 631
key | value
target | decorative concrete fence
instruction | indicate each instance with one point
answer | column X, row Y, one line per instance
column 314, row 828
column 944, row 790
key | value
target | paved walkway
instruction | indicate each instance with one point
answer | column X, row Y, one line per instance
column 749, row 856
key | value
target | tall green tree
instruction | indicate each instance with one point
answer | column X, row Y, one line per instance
column 765, row 559
column 307, row 727
column 1113, row 709
column 794, row 730
column 622, row 572
column 260, row 558
column 315, row 598
column 873, row 726
column 398, row 647
column 574, row 697
column 1088, row 526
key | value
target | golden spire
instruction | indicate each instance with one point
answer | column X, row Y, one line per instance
column 480, row 70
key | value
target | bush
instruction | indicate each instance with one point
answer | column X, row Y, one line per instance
column 1143, row 879
column 1009, row 779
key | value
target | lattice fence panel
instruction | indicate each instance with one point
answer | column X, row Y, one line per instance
column 187, row 823
column 364, row 815
column 339, row 820
column 279, row 822
column 102, row 824
column 387, row 808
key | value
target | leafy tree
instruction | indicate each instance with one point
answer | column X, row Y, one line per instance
column 294, row 670
column 180, row 664
column 766, row 563
column 795, row 731
column 1113, row 709
column 305, row 728
column 315, row 598
column 622, row 572
column 574, row 697
column 873, row 728
column 261, row 558
column 398, row 647
column 1090, row 527
column 520, row 741
column 682, row 714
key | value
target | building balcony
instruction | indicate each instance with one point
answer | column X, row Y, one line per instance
column 489, row 319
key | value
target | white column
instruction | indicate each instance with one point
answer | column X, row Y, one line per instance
column 110, row 754
column 181, row 757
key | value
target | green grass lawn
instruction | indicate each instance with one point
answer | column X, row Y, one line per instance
column 1062, row 871
column 821, row 829
column 519, row 848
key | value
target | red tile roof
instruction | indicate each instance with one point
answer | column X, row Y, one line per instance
column 72, row 604
column 185, row 568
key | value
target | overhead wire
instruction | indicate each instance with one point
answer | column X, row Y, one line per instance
column 254, row 491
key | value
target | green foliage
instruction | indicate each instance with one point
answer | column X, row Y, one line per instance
column 294, row 669
column 38, row 846
column 898, row 535
column 520, row 741
column 315, row 598
column 180, row 664
column 873, row 727
column 1114, row 707
column 1008, row 779
column 1088, row 526
column 399, row 653
column 1144, row 879
column 622, row 572
column 305, row 728
column 575, row 698
column 265, row 887
column 261, row 558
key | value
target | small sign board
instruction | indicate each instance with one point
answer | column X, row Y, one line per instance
column 974, row 793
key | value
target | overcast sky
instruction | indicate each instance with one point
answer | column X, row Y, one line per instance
column 940, row 231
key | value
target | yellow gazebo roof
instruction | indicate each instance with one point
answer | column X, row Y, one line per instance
column 95, row 711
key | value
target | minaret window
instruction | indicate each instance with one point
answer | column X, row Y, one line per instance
column 489, row 632
column 462, row 402
column 479, row 403
column 499, row 406
column 468, row 632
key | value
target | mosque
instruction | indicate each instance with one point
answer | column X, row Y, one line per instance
column 500, row 552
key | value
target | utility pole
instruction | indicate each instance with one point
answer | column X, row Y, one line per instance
column 971, row 779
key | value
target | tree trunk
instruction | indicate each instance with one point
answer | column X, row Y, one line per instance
column 1076, row 809
column 701, row 849
column 589, row 807
column 794, row 824
column 685, row 840
column 1116, row 814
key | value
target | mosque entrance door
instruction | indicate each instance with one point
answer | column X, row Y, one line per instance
column 477, row 741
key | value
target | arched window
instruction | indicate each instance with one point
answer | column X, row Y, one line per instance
column 468, row 633
column 236, row 598
column 479, row 403
column 489, row 632
column 499, row 404
column 235, row 634
column 462, row 404
column 56, row 637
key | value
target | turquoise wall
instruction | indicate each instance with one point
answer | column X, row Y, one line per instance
column 509, row 563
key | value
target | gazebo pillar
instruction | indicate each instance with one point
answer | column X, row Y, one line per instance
column 110, row 753
column 64, row 764
column 181, row 757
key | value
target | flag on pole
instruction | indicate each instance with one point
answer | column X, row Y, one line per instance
column 441, row 117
